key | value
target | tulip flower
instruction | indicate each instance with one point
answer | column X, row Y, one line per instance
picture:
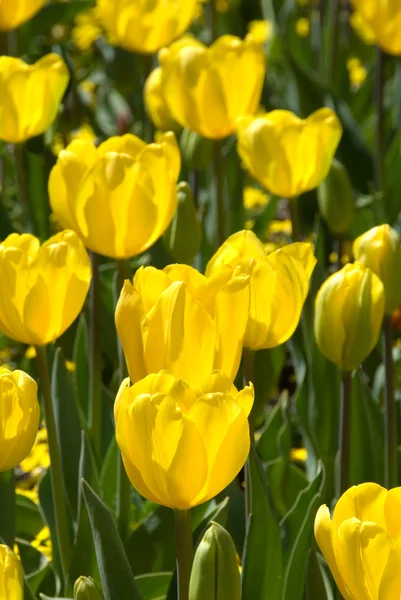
column 30, row 95
column 178, row 319
column 182, row 445
column 349, row 311
column 145, row 27
column 362, row 543
column 278, row 285
column 86, row 589
column 286, row 154
column 15, row 12
column 207, row 89
column 11, row 576
column 383, row 19
column 119, row 197
column 155, row 103
column 19, row 409
column 43, row 287
column 379, row 249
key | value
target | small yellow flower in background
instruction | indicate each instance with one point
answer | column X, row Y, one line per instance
column 362, row 28
column 302, row 27
column 207, row 89
column 5, row 357
column 384, row 21
column 155, row 102
column 34, row 466
column 120, row 197
column 43, row 543
column 278, row 285
column 255, row 198
column 30, row 353
column 15, row 12
column 349, row 311
column 299, row 455
column 280, row 227
column 145, row 27
column 51, row 279
column 87, row 29
column 30, row 96
column 286, row 154
column 260, row 31
column 361, row 542
column 182, row 445
column 222, row 6
column 11, row 575
column 19, row 410
column 357, row 73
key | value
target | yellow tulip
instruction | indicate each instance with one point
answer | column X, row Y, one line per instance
column 155, row 103
column 349, row 311
column 286, row 154
column 362, row 542
column 119, row 197
column 178, row 319
column 11, row 576
column 30, row 95
column 43, row 287
column 383, row 19
column 146, row 27
column 379, row 249
column 207, row 89
column 278, row 285
column 20, row 414
column 180, row 445
column 15, row 12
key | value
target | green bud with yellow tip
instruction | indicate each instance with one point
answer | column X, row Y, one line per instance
column 336, row 199
column 86, row 589
column 215, row 572
column 183, row 237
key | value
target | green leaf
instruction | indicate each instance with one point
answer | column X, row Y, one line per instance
column 154, row 586
column 7, row 507
column 28, row 520
column 81, row 354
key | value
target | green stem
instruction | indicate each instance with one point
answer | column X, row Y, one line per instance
column 390, row 413
column 295, row 219
column 95, row 395
column 21, row 168
column 344, row 443
column 59, row 498
column 7, row 507
column 184, row 551
column 219, row 190
column 333, row 44
column 146, row 61
column 248, row 361
column 379, row 88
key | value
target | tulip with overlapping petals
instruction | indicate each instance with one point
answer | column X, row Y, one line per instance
column 15, row 12
column 11, row 575
column 286, row 154
column 30, row 95
column 383, row 20
column 155, row 103
column 182, row 445
column 119, row 197
column 207, row 89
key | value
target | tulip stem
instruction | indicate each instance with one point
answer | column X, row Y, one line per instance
column 295, row 219
column 184, row 551
column 95, row 396
column 390, row 415
column 344, row 443
column 59, row 499
column 7, row 507
column 380, row 121
column 219, row 189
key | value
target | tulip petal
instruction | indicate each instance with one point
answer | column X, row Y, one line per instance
column 349, row 559
column 392, row 511
column 150, row 283
column 375, row 547
column 390, row 586
column 364, row 502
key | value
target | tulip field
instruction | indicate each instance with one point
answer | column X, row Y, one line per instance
column 200, row 299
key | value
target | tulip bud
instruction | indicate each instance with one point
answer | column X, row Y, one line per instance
column 349, row 311
column 382, row 21
column 197, row 150
column 215, row 573
column 86, row 589
column 11, row 576
column 183, row 237
column 336, row 199
column 379, row 249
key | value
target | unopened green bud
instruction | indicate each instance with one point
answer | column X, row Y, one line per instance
column 336, row 199
column 183, row 237
column 86, row 589
column 196, row 150
column 215, row 572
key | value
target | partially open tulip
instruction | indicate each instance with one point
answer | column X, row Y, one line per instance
column 379, row 249
column 384, row 20
column 119, row 197
column 43, row 287
column 178, row 319
column 362, row 542
column 278, row 285
column 349, row 311
column 30, row 95
column 146, row 27
column 181, row 445
column 155, row 103
column 207, row 89
column 15, row 12
column 286, row 154
column 11, row 575
column 19, row 410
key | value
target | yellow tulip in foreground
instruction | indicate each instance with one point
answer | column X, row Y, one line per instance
column 43, row 287
column 362, row 542
column 286, row 154
column 15, row 12
column 384, row 20
column 30, row 95
column 155, row 103
column 349, row 311
column 207, row 89
column 278, row 285
column 146, row 27
column 11, row 576
column 380, row 250
column 180, row 445
column 178, row 319
column 19, row 410
column 119, row 197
